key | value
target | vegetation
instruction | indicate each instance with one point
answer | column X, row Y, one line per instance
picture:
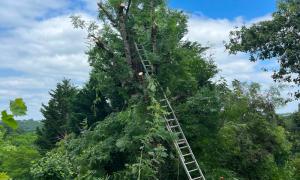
column 113, row 127
column 17, row 151
column 29, row 125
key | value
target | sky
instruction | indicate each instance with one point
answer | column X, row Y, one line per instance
column 39, row 46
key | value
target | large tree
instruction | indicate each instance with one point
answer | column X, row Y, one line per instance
column 57, row 113
column 276, row 38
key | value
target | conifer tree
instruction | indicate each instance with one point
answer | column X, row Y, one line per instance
column 57, row 113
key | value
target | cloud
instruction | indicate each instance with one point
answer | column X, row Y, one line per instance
column 23, row 13
column 39, row 56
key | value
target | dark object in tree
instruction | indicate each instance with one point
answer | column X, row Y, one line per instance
column 276, row 38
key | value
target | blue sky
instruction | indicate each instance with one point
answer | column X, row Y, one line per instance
column 39, row 47
column 229, row 9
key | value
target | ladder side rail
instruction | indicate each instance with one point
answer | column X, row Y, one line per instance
column 144, row 66
column 183, row 161
column 179, row 153
column 181, row 131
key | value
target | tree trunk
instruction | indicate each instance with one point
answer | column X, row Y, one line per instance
column 153, row 28
column 123, row 31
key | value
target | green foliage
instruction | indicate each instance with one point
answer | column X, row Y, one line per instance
column 17, row 153
column 4, row 176
column 54, row 166
column 29, row 125
column 112, row 147
column 89, row 106
column 9, row 120
column 275, row 38
column 251, row 136
column 18, row 107
column 57, row 114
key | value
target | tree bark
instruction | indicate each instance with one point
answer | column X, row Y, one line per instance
column 123, row 31
column 153, row 28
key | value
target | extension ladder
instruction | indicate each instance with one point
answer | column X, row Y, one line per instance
column 182, row 146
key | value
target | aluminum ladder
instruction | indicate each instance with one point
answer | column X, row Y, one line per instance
column 182, row 146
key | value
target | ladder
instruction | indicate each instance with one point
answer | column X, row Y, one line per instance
column 182, row 146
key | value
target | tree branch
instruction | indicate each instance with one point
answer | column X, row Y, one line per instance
column 102, row 45
column 123, row 32
column 128, row 7
column 108, row 15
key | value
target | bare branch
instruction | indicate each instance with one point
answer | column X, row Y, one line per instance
column 100, row 44
column 128, row 7
column 108, row 15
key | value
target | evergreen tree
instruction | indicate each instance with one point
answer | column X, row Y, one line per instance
column 89, row 106
column 57, row 113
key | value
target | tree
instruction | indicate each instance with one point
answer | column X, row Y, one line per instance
column 251, row 136
column 276, row 38
column 57, row 114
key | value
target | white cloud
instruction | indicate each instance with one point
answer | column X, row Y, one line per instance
column 45, row 52
column 48, row 48
column 23, row 13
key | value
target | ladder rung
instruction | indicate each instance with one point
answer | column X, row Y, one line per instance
column 178, row 132
column 174, row 126
column 168, row 120
column 200, row 177
column 187, row 154
column 183, row 147
column 193, row 170
column 189, row 162
column 181, row 141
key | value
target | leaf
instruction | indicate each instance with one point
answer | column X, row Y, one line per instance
column 9, row 120
column 4, row 176
column 18, row 107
